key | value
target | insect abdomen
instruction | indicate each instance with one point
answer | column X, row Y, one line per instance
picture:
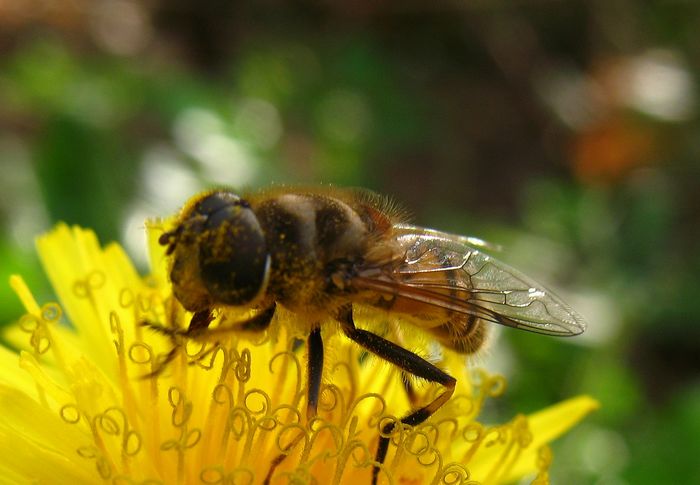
column 464, row 334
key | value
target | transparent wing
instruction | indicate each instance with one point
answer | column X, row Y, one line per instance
column 475, row 242
column 451, row 272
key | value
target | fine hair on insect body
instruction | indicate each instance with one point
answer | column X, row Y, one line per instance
column 329, row 254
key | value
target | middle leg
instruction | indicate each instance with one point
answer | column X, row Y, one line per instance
column 314, row 346
column 315, row 371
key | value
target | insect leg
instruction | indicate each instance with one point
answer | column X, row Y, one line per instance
column 163, row 363
column 408, row 362
column 397, row 336
column 315, row 371
column 199, row 321
column 257, row 323
column 199, row 327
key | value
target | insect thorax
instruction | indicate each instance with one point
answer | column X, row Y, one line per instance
column 307, row 236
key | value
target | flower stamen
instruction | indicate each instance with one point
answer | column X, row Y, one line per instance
column 229, row 409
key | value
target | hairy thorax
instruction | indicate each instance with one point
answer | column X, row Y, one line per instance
column 309, row 236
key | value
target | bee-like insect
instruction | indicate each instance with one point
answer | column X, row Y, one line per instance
column 320, row 253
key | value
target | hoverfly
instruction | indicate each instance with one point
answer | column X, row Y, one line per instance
column 322, row 252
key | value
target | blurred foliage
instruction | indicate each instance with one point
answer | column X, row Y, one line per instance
column 565, row 131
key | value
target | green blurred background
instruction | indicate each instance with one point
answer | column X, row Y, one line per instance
column 566, row 131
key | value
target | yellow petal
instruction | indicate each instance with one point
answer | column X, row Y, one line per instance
column 42, row 447
column 547, row 425
column 76, row 405
column 506, row 460
column 70, row 257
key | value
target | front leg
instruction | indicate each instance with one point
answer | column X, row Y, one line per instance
column 198, row 323
column 199, row 328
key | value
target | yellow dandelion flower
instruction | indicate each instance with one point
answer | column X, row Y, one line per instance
column 76, row 408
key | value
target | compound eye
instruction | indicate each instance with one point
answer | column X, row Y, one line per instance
column 233, row 257
column 217, row 201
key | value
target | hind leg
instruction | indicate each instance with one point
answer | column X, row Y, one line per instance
column 407, row 361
